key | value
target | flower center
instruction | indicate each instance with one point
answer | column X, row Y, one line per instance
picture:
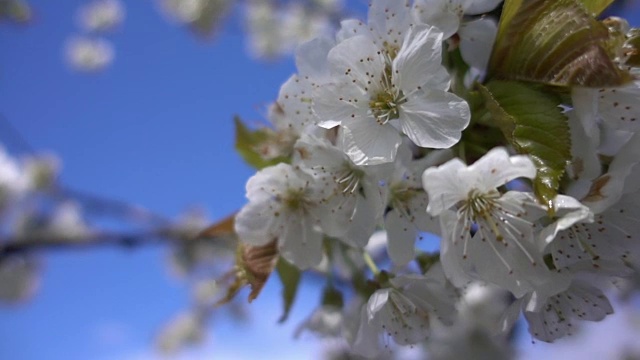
column 348, row 180
column 385, row 105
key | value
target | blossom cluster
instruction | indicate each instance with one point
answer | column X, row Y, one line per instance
column 380, row 131
column 90, row 52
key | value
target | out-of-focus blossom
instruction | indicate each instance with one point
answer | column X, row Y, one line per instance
column 18, row 278
column 15, row 10
column 12, row 180
column 101, row 15
column 276, row 30
column 203, row 16
column 67, row 222
column 185, row 329
column 89, row 55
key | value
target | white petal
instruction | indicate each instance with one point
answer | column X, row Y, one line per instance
column 258, row 223
column 300, row 244
column 367, row 341
column 585, row 105
column 389, row 20
column 444, row 186
column 350, row 28
column 337, row 103
column 369, row 143
column 497, row 168
column 434, row 119
column 356, row 60
column 619, row 107
column 419, row 62
column 476, row 42
column 402, row 238
column 311, row 57
column 443, row 14
column 295, row 103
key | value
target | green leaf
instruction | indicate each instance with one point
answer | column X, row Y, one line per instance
column 555, row 42
column 249, row 141
column 595, row 7
column 290, row 278
column 535, row 125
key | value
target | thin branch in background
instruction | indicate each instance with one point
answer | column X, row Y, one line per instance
column 33, row 243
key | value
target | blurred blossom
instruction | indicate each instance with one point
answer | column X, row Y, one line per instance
column 12, row 181
column 185, row 11
column 15, row 10
column 67, row 222
column 101, row 15
column 185, row 329
column 206, row 292
column 276, row 30
column 41, row 172
column 88, row 55
column 204, row 16
column 18, row 278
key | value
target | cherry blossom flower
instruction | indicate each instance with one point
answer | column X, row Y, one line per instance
column 404, row 312
column 406, row 217
column 476, row 36
column 101, row 15
column 554, row 317
column 284, row 205
column 356, row 204
column 487, row 228
column 86, row 54
column 376, row 90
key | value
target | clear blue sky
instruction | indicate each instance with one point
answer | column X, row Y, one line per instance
column 154, row 129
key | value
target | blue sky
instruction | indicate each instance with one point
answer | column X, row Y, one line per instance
column 154, row 129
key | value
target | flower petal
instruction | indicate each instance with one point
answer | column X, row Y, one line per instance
column 419, row 61
column 434, row 118
column 369, row 143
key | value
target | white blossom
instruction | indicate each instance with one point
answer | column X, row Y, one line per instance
column 87, row 54
column 101, row 15
column 488, row 236
column 284, row 206
column 404, row 311
column 377, row 89
column 554, row 318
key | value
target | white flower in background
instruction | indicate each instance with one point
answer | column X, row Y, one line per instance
column 356, row 204
column 203, row 15
column 476, row 36
column 67, row 222
column 552, row 318
column 447, row 15
column 284, row 205
column 101, row 15
column 406, row 217
column 377, row 90
column 185, row 11
column 12, row 179
column 405, row 311
column 185, row 329
column 608, row 245
column 275, row 30
column 86, row 54
column 617, row 107
column 325, row 321
column 488, row 236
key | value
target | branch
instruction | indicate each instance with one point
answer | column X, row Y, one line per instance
column 29, row 244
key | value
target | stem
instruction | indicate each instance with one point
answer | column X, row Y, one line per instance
column 370, row 263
